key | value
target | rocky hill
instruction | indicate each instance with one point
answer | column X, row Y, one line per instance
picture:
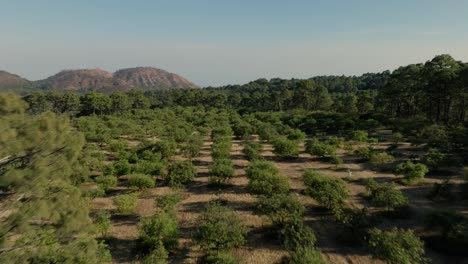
column 82, row 80
column 13, row 83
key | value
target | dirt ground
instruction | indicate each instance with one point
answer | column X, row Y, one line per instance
column 259, row 249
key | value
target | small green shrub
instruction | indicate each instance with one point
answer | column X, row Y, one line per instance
column 364, row 153
column 379, row 160
column 141, row 181
column 169, row 201
column 296, row 234
column 269, row 185
column 180, row 172
column 149, row 167
column 117, row 145
column 396, row 246
column 413, row 172
column 304, row 255
column 314, row 147
column 359, row 135
column 122, row 167
column 106, row 182
column 329, row 192
column 159, row 229
column 158, row 255
column 252, row 150
column 221, row 171
column 281, row 208
column 337, row 142
column 296, row 135
column 436, row 159
column 219, row 257
column 102, row 222
column 103, row 252
column 386, row 195
column 285, row 148
column 220, row 228
column 125, row 203
column 260, row 168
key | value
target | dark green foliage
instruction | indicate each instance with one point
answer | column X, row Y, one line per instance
column 269, row 185
column 252, row 150
column 285, row 148
column 304, row 255
column 260, row 168
column 148, row 167
column 165, row 147
column 441, row 192
column 125, row 203
column 385, row 195
column 314, row 147
column 335, row 160
column 169, row 201
column 158, row 255
column 180, row 172
column 106, row 182
column 122, row 167
column 296, row 234
column 117, row 145
column 359, row 135
column 221, row 131
column 281, row 208
column 192, row 147
column 219, row 257
column 451, row 227
column 436, row 159
column 296, row 135
column 140, row 181
column 379, row 160
column 413, row 172
column 221, row 171
column 102, row 222
column 396, row 246
column 159, row 230
column 220, row 228
column 328, row 191
column 364, row 153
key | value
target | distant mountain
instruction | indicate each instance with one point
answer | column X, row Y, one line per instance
column 82, row 80
column 13, row 83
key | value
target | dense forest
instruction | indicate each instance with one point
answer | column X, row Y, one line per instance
column 359, row 155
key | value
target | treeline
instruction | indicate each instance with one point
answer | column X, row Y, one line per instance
column 433, row 92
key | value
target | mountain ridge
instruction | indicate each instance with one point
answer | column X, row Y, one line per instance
column 96, row 79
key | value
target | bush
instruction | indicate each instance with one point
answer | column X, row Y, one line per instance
column 252, row 150
column 412, row 172
column 122, row 167
column 219, row 257
column 379, row 160
column 285, row 149
column 102, row 222
column 221, row 150
column 314, row 147
column 221, row 171
column 180, row 172
column 359, row 135
column 221, row 131
column 334, row 159
column 337, row 142
column 103, row 252
column 192, row 147
column 159, row 229
column 150, row 167
column 125, row 203
column 267, row 131
column 269, row 185
column 281, row 208
column 117, row 145
column 304, row 255
column 166, row 148
column 242, row 129
column 452, row 228
column 385, row 195
column 329, row 192
column 441, row 192
column 260, row 168
column 436, row 159
column 296, row 135
column 106, row 182
column 158, row 255
column 397, row 137
column 141, row 181
column 364, row 153
column 220, row 228
column 169, row 201
column 295, row 234
column 396, row 246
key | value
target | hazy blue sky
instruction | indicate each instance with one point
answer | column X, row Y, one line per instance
column 216, row 42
